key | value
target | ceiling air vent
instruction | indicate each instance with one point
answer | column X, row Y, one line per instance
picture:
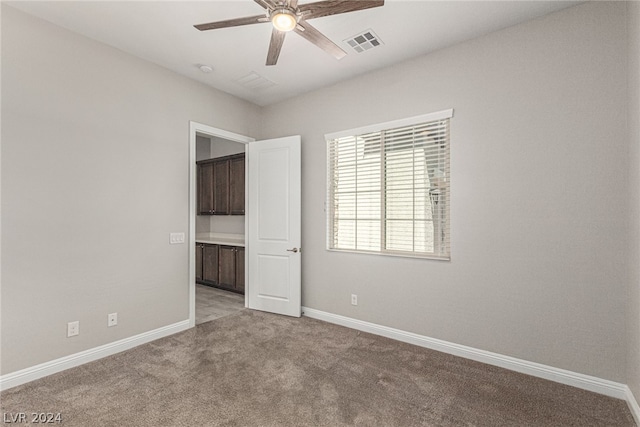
column 364, row 41
column 255, row 81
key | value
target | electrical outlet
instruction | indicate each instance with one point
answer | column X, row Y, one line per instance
column 112, row 319
column 73, row 328
column 354, row 299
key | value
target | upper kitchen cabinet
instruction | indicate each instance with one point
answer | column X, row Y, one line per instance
column 221, row 185
column 236, row 185
column 205, row 188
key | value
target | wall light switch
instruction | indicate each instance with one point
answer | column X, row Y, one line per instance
column 176, row 238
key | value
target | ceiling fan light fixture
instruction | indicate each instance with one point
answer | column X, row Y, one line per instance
column 286, row 16
column 284, row 19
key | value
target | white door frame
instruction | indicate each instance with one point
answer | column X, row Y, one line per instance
column 199, row 128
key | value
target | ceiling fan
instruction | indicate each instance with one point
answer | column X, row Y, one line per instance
column 288, row 15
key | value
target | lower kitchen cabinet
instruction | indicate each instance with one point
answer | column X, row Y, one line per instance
column 227, row 266
column 220, row 266
column 210, row 264
column 240, row 269
column 199, row 248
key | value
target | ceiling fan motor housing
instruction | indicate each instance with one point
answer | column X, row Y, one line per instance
column 284, row 18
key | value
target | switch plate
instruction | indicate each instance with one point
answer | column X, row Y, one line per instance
column 112, row 319
column 73, row 328
column 176, row 238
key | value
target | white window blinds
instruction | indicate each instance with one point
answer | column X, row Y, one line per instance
column 388, row 189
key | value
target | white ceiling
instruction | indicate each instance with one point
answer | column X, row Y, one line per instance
column 162, row 32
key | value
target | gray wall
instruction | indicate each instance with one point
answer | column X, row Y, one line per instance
column 223, row 147
column 95, row 155
column 539, row 191
column 633, row 305
column 203, row 148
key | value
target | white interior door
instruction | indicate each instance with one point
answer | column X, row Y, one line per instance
column 274, row 233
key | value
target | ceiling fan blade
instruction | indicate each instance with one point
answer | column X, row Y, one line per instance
column 277, row 39
column 248, row 20
column 331, row 7
column 316, row 37
column 266, row 4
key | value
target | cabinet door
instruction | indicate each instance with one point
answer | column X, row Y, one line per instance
column 210, row 263
column 221, row 187
column 198, row 262
column 227, row 267
column 240, row 269
column 205, row 189
column 236, row 185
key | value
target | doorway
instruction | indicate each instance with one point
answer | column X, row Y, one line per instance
column 272, row 221
column 207, row 142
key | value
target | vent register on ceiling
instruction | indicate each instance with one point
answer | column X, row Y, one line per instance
column 288, row 15
column 364, row 41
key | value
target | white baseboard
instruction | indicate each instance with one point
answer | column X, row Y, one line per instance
column 633, row 406
column 42, row 370
column 586, row 382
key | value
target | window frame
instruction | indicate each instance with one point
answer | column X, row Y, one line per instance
column 375, row 128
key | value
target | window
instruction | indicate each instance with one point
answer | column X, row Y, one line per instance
column 388, row 188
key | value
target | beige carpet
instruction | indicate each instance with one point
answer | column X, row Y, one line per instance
column 257, row 369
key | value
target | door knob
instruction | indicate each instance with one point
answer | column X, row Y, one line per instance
column 294, row 250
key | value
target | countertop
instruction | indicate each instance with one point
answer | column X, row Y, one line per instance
column 221, row 239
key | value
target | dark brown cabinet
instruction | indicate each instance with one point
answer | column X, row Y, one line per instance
column 210, row 263
column 236, row 185
column 227, row 266
column 239, row 270
column 199, row 248
column 221, row 185
column 220, row 266
column 206, row 263
column 205, row 188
